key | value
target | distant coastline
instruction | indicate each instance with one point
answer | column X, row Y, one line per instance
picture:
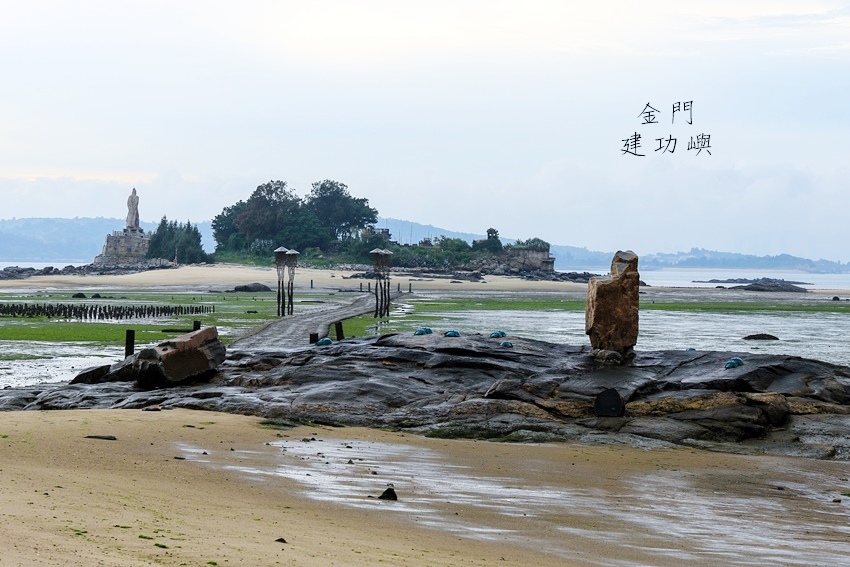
column 753, row 281
column 39, row 241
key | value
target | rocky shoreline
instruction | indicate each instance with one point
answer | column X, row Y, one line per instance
column 478, row 275
column 523, row 390
column 19, row 273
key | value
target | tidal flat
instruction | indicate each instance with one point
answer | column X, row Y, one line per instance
column 51, row 349
column 806, row 325
column 43, row 349
column 145, row 497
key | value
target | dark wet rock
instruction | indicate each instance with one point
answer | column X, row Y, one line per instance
column 388, row 494
column 468, row 386
column 16, row 273
column 79, row 295
column 761, row 337
column 119, row 372
column 92, row 375
column 771, row 287
column 252, row 287
column 192, row 356
column 608, row 403
column 12, row 399
column 753, row 281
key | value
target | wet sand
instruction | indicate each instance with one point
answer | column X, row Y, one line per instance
column 197, row 488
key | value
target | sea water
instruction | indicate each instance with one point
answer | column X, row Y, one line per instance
column 699, row 277
column 821, row 336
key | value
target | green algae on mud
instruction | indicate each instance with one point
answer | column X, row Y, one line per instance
column 233, row 313
column 749, row 306
column 412, row 312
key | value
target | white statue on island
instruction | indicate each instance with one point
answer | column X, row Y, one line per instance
column 133, row 211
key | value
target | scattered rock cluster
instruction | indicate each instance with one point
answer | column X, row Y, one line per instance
column 18, row 273
column 478, row 275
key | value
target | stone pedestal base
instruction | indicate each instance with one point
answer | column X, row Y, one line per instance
column 128, row 246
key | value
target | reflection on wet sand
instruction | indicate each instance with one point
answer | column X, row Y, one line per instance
column 779, row 512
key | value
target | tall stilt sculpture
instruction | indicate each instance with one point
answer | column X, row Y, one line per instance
column 280, row 264
column 291, row 262
column 382, row 261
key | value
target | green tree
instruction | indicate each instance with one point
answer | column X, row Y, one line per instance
column 455, row 245
column 532, row 244
column 267, row 211
column 225, row 231
column 491, row 245
column 177, row 241
column 272, row 216
column 337, row 211
column 161, row 243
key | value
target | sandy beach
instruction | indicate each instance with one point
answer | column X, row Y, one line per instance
column 187, row 487
column 194, row 488
column 228, row 275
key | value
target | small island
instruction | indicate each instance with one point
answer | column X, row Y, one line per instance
column 746, row 281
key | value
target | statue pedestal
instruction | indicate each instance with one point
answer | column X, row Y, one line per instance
column 128, row 246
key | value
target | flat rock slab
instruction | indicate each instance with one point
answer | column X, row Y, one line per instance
column 471, row 386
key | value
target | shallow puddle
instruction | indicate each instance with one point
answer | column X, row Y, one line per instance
column 776, row 517
column 36, row 362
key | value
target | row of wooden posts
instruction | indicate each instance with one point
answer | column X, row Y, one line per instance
column 81, row 311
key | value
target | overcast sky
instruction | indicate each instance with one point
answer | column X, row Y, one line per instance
column 461, row 114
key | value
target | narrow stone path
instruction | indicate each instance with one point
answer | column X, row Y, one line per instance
column 294, row 330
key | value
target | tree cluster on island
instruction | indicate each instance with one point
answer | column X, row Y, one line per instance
column 177, row 241
column 327, row 226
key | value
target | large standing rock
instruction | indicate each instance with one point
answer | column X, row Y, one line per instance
column 188, row 356
column 611, row 319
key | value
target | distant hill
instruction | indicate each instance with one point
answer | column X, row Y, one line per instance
column 701, row 258
column 76, row 240
column 566, row 257
column 569, row 258
column 79, row 240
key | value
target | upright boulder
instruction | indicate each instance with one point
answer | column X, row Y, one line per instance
column 611, row 319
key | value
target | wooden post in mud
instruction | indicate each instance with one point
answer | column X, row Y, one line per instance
column 129, row 342
column 338, row 329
